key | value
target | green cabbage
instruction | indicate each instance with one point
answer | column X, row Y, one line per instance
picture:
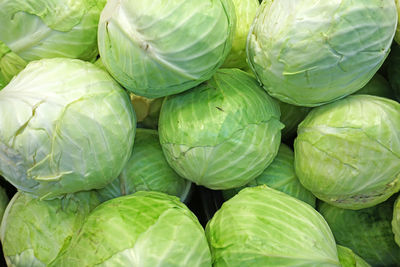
column 65, row 126
column 33, row 231
column 142, row 229
column 312, row 52
column 160, row 48
column 347, row 153
column 261, row 226
column 223, row 133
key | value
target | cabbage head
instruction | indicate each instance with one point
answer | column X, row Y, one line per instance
column 312, row 52
column 223, row 133
column 36, row 29
column 261, row 226
column 33, row 231
column 144, row 229
column 347, row 153
column 65, row 126
column 160, row 47
column 147, row 170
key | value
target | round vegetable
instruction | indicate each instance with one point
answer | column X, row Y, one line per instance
column 367, row 232
column 312, row 52
column 223, row 133
column 347, row 153
column 142, row 229
column 65, row 126
column 165, row 47
column 261, row 226
column 147, row 170
column 33, row 231
column 35, row 29
column 280, row 175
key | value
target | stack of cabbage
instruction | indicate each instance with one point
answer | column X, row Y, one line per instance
column 221, row 83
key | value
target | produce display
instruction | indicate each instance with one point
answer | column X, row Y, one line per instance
column 200, row 133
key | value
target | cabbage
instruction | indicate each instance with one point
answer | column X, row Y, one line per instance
column 35, row 29
column 312, row 52
column 261, row 226
column 65, row 126
column 33, row 231
column 165, row 47
column 347, row 153
column 223, row 133
column 142, row 229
